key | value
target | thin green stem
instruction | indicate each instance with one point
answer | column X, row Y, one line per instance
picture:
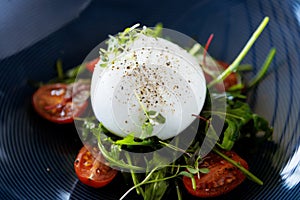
column 139, row 184
column 179, row 196
column 113, row 161
column 224, row 114
column 240, row 167
column 162, row 179
column 59, row 68
column 244, row 67
column 139, row 190
column 233, row 67
column 195, row 49
column 176, row 143
column 145, row 181
column 263, row 70
column 174, row 148
column 142, row 105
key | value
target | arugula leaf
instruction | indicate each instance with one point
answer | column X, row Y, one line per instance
column 231, row 134
column 204, row 170
column 192, row 170
column 238, row 116
column 239, row 110
column 261, row 124
column 129, row 140
column 185, row 173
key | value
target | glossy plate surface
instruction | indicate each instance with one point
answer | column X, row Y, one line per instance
column 36, row 156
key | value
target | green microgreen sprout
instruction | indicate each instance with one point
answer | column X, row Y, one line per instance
column 153, row 118
column 119, row 43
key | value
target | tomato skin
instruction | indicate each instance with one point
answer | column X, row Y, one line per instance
column 222, row 177
column 91, row 171
column 54, row 103
column 91, row 65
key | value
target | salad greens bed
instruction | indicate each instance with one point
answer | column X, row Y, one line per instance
column 240, row 122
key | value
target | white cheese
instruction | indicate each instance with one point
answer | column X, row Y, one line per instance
column 153, row 72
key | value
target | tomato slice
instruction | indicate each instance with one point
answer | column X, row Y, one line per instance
column 91, row 171
column 91, row 65
column 221, row 178
column 56, row 103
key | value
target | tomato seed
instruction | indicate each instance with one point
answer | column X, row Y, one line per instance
column 85, row 157
column 215, row 184
column 221, row 182
column 57, row 92
column 87, row 164
column 229, row 180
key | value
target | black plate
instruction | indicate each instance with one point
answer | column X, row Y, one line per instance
column 36, row 156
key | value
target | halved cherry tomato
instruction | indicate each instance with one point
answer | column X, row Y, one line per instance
column 91, row 65
column 221, row 178
column 93, row 171
column 56, row 103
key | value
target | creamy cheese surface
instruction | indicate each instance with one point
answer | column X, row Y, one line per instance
column 153, row 73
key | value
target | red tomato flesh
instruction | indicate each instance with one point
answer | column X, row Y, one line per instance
column 54, row 102
column 221, row 178
column 91, row 171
